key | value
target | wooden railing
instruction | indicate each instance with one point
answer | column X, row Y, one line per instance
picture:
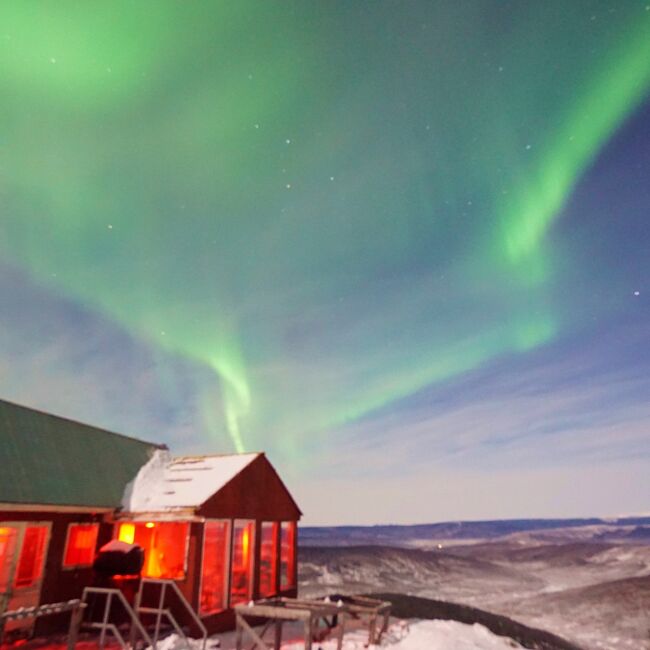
column 76, row 608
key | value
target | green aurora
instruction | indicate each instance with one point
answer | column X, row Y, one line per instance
column 264, row 187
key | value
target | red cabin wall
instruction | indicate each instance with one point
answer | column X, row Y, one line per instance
column 60, row 584
column 257, row 492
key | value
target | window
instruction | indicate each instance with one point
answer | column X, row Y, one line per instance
column 32, row 556
column 269, row 558
column 8, row 541
column 241, row 577
column 214, row 572
column 164, row 544
column 288, row 554
column 80, row 545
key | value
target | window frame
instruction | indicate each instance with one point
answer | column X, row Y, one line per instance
column 291, row 566
column 253, row 559
column 277, row 559
column 38, row 577
column 228, row 562
column 72, row 567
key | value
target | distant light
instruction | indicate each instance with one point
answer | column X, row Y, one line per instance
column 637, row 293
column 149, row 524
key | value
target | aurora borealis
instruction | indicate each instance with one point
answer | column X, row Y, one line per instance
column 410, row 233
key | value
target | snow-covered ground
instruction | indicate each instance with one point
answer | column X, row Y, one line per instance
column 414, row 635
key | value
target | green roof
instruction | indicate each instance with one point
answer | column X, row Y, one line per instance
column 49, row 460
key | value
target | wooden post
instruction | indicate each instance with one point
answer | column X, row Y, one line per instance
column 239, row 633
column 278, row 634
column 75, row 622
column 372, row 629
column 341, row 632
column 308, row 634
column 384, row 627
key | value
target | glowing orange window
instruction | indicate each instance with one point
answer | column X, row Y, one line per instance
column 269, row 558
column 164, row 544
column 32, row 556
column 214, row 572
column 80, row 545
column 241, row 576
column 8, row 540
column 288, row 554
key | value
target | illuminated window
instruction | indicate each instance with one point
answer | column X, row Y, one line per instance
column 127, row 533
column 8, row 539
column 32, row 556
column 216, row 538
column 80, row 545
column 241, row 577
column 288, row 555
column 164, row 544
column 268, row 558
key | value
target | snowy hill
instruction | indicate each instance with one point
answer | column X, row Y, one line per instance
column 412, row 635
column 425, row 635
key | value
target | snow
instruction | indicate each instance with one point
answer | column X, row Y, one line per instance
column 416, row 635
column 166, row 483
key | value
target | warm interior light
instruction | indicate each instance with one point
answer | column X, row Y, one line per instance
column 30, row 564
column 268, row 558
column 242, row 562
column 80, row 545
column 245, row 542
column 215, row 567
column 127, row 533
column 164, row 544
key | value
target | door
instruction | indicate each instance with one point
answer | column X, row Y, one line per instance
column 23, row 548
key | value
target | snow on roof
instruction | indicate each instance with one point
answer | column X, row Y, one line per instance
column 167, row 483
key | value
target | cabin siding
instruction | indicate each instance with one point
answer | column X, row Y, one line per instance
column 257, row 492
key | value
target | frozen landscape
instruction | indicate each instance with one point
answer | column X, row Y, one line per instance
column 588, row 582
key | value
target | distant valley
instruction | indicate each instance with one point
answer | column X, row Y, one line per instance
column 585, row 580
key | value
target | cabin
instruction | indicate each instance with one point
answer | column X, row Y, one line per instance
column 222, row 527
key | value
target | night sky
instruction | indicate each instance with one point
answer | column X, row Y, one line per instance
column 403, row 247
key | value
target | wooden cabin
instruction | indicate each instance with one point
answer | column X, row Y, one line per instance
column 223, row 527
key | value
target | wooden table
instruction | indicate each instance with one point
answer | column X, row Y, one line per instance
column 277, row 611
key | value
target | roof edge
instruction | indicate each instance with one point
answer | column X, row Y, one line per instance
column 83, row 424
column 17, row 506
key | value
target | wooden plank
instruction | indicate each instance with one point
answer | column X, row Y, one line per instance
column 263, row 611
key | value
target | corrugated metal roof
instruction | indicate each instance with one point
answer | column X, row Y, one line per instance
column 168, row 483
column 46, row 459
